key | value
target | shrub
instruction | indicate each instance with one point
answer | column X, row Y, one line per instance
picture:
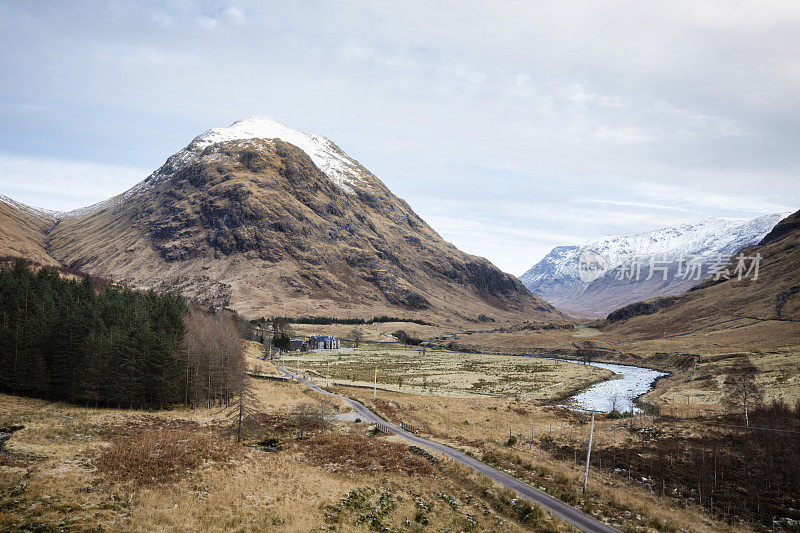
column 160, row 456
column 355, row 453
column 527, row 513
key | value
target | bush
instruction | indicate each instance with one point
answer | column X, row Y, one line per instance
column 512, row 440
column 357, row 454
column 407, row 339
column 155, row 456
column 527, row 513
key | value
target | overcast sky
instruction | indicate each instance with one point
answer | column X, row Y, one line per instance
column 511, row 127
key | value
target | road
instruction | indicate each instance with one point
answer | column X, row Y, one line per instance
column 560, row 509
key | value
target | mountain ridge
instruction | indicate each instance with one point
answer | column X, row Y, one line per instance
column 772, row 297
column 557, row 279
column 263, row 226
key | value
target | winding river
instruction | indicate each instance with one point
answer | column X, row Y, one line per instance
column 619, row 392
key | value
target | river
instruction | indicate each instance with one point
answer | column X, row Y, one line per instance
column 619, row 392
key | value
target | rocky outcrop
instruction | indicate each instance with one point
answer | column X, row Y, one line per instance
column 641, row 308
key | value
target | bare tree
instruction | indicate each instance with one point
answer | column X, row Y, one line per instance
column 585, row 352
column 245, row 403
column 741, row 389
column 307, row 417
column 357, row 336
column 214, row 359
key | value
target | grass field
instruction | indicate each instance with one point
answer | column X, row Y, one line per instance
column 447, row 373
column 72, row 468
column 481, row 427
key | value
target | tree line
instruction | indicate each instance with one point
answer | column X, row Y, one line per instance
column 68, row 340
column 327, row 321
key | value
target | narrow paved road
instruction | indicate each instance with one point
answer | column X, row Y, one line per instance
column 560, row 509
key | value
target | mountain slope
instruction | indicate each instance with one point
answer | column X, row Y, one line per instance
column 22, row 231
column 558, row 278
column 775, row 294
column 276, row 222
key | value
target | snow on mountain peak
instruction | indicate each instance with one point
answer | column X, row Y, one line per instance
column 341, row 169
column 557, row 278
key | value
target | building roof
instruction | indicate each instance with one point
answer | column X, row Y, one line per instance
column 321, row 337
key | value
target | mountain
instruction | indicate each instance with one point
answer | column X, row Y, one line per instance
column 23, row 231
column 773, row 297
column 275, row 222
column 624, row 264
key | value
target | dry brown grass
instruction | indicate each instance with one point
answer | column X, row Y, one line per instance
column 153, row 456
column 481, row 427
column 448, row 373
column 353, row 454
column 22, row 234
column 461, row 420
column 380, row 332
column 291, row 490
column 694, row 390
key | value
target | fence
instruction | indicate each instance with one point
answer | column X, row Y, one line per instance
column 268, row 376
column 383, row 428
column 408, row 427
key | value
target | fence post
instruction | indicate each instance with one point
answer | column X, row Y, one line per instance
column 588, row 455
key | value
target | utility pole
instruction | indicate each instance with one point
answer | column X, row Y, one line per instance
column 327, row 373
column 298, row 369
column 375, row 386
column 588, row 455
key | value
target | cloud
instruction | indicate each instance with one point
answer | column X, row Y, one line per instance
column 711, row 199
column 532, row 123
column 162, row 19
column 63, row 185
column 208, row 23
column 236, row 15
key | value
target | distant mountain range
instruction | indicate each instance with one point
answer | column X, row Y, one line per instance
column 759, row 311
column 272, row 222
column 600, row 276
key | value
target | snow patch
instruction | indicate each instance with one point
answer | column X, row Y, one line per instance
column 33, row 211
column 341, row 169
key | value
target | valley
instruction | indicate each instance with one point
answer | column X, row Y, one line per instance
column 148, row 343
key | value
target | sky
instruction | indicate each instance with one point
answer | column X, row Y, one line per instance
column 510, row 127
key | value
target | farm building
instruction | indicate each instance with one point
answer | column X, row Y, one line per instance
column 323, row 342
column 297, row 345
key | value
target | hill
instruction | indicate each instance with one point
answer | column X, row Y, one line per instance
column 23, row 231
column 559, row 278
column 271, row 221
column 772, row 296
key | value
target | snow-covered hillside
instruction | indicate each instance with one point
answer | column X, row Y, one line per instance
column 556, row 277
column 331, row 160
column 344, row 171
column 30, row 210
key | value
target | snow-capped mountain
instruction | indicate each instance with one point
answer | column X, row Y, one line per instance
column 23, row 231
column 344, row 171
column 272, row 221
column 30, row 210
column 559, row 279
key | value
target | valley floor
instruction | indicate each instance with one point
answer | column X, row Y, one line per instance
column 78, row 468
column 83, row 469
